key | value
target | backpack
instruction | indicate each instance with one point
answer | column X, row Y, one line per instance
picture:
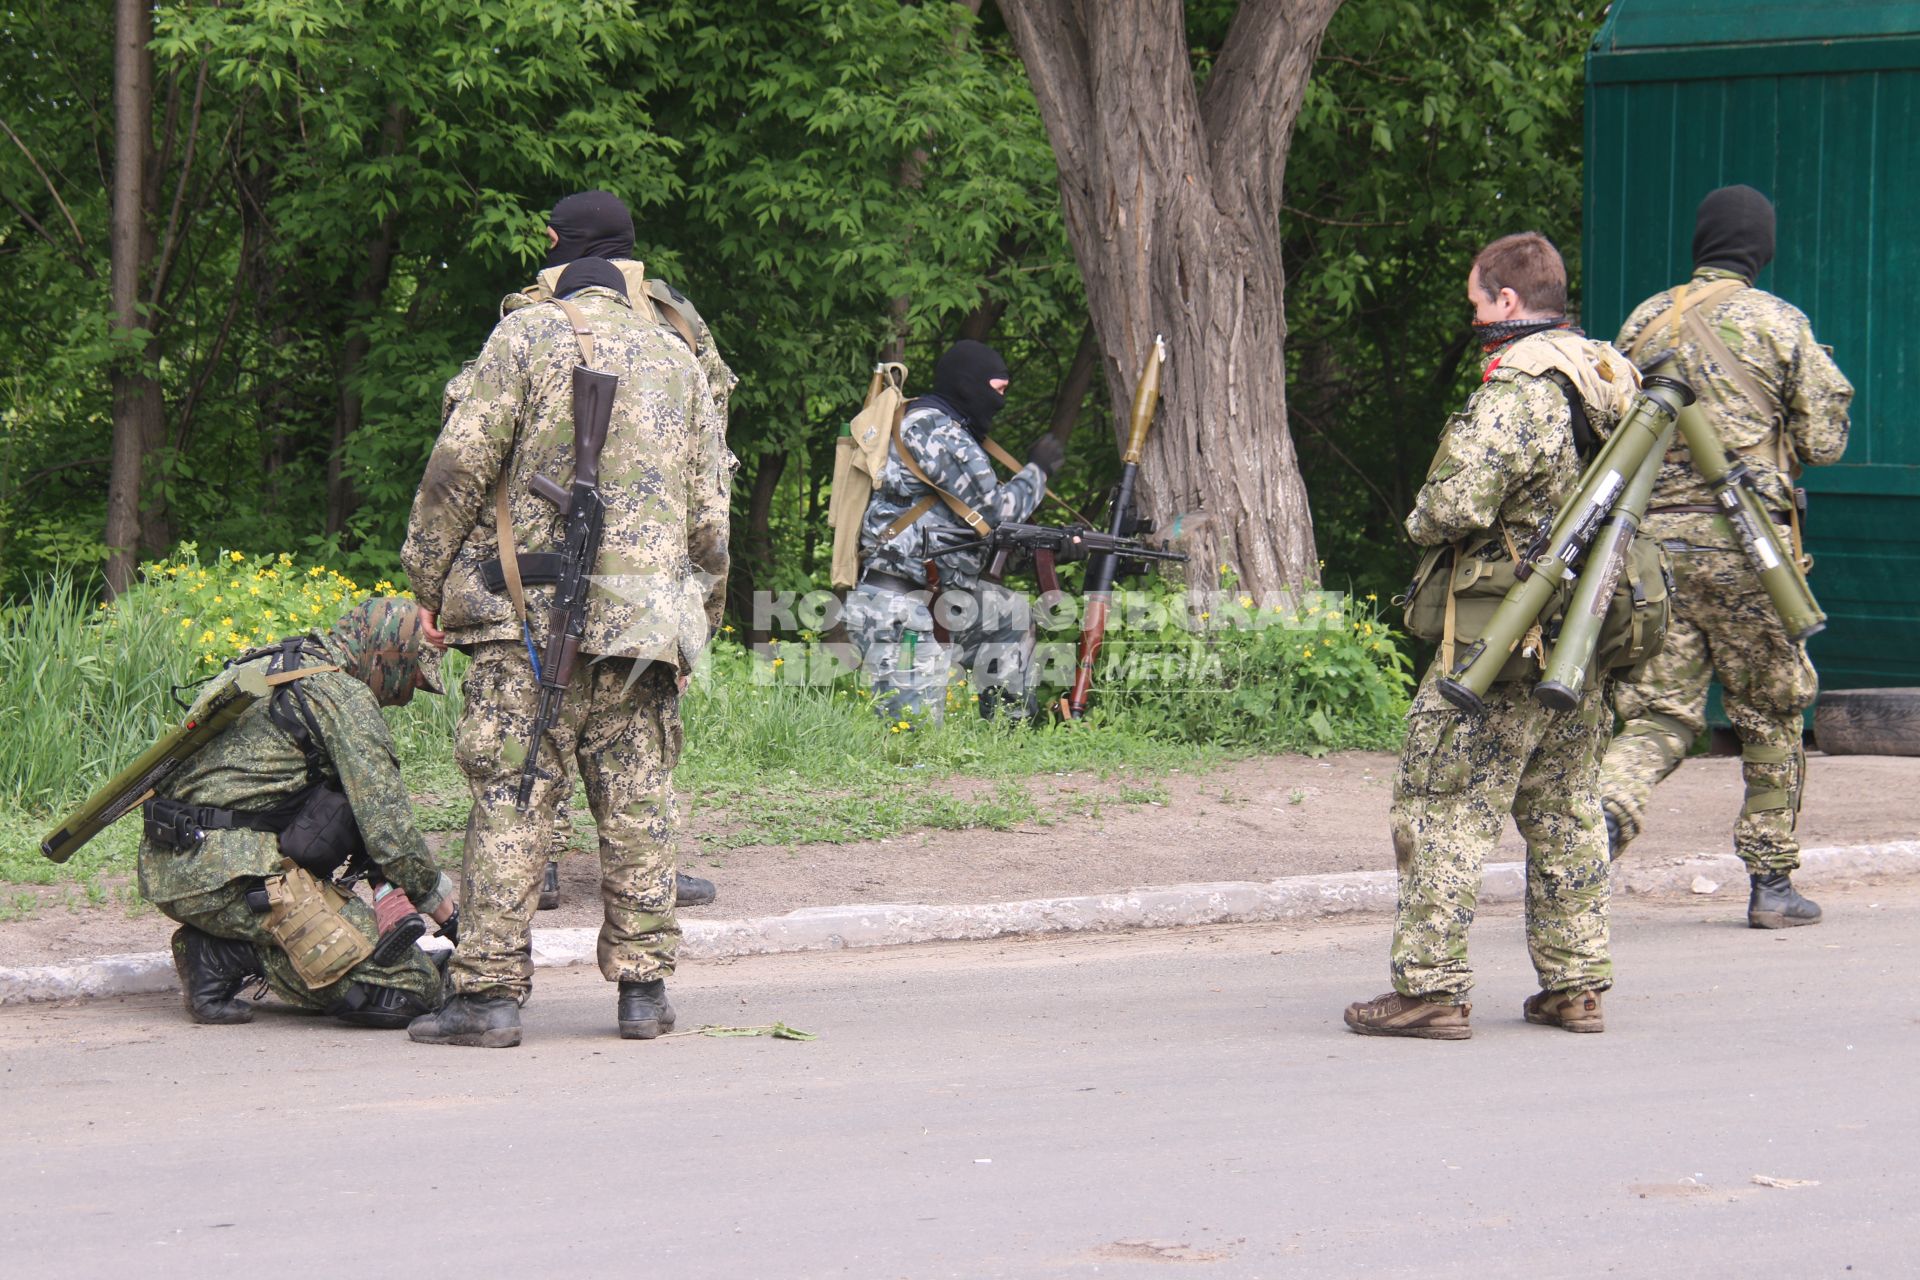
column 859, row 456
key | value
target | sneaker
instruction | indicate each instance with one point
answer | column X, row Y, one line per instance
column 644, row 1011
column 1776, row 904
column 1568, row 1010
column 472, row 1021
column 1396, row 1015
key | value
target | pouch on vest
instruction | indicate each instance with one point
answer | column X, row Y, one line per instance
column 1635, row 627
column 322, row 834
column 859, row 456
column 304, row 918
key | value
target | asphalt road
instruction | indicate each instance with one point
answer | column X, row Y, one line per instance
column 1168, row 1103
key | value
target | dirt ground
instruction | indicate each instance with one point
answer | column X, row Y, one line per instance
column 1253, row 820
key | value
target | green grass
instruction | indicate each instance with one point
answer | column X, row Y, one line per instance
column 82, row 691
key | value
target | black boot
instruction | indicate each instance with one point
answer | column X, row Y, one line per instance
column 691, row 891
column 1776, row 904
column 212, row 971
column 472, row 1021
column 550, row 887
column 382, row 1008
column 644, row 1011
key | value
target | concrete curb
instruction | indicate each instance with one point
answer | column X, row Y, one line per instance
column 1166, row 906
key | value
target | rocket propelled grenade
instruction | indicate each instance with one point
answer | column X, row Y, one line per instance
column 1565, row 678
column 1739, row 502
column 1552, row 559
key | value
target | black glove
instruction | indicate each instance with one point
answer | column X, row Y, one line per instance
column 1048, row 454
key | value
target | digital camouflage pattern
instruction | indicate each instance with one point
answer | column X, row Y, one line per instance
column 623, row 733
column 224, row 913
column 1507, row 459
column 382, row 645
column 660, row 581
column 953, row 460
column 721, row 379
column 1459, row 777
column 908, row 670
column 1773, row 340
column 1724, row 626
column 255, row 766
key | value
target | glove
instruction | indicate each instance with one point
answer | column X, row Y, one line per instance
column 390, row 907
column 1048, row 454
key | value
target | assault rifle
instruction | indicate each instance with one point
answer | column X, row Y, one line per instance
column 586, row 513
column 1052, row 545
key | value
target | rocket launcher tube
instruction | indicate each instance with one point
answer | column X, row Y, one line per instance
column 1553, row 560
column 1753, row 528
column 135, row 784
column 1565, row 678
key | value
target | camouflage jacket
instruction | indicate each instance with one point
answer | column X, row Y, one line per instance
column 254, row 766
column 1508, row 458
column 660, row 580
column 1771, row 338
column 653, row 295
column 954, row 460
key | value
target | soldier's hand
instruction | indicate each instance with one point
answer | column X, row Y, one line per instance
column 1048, row 454
column 445, row 911
column 435, row 636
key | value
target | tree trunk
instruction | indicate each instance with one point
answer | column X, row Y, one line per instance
column 1172, row 204
column 138, row 419
column 756, row 559
column 1072, row 392
column 367, row 293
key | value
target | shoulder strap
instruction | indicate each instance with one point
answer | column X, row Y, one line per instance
column 1685, row 299
column 1583, row 438
column 670, row 311
column 581, row 333
column 973, row 519
column 502, row 515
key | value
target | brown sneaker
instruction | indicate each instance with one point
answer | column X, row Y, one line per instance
column 1396, row 1015
column 1568, row 1010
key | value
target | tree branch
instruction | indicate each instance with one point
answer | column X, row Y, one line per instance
column 51, row 189
column 58, row 247
column 171, row 244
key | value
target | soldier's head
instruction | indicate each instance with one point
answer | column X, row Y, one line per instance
column 381, row 644
column 1734, row 231
column 589, row 224
column 1517, row 278
column 972, row 378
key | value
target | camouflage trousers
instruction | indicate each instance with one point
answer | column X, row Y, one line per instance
column 1460, row 776
column 622, row 731
column 224, row 913
column 909, row 671
column 1723, row 625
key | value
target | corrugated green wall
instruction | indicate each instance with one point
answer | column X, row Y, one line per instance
column 1830, row 128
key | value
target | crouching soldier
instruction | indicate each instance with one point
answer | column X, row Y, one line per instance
column 244, row 846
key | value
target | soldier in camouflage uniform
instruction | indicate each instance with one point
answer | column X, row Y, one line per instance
column 890, row 615
column 598, row 224
column 1505, row 465
column 658, row 589
column 211, row 855
column 1783, row 408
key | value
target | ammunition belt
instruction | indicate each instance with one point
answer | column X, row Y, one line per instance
column 176, row 824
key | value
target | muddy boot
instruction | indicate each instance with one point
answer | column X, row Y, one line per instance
column 212, row 971
column 382, row 1008
column 691, row 891
column 644, row 1011
column 550, row 887
column 1776, row 904
column 472, row 1021
column 1396, row 1015
column 1568, row 1010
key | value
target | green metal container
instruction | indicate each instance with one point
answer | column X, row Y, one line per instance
column 1818, row 105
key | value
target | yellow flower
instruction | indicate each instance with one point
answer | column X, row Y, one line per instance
column 906, row 724
column 779, row 662
column 226, row 622
column 382, row 587
column 266, row 615
column 1226, row 568
column 273, row 573
column 727, row 629
column 235, row 639
column 315, row 572
column 186, row 622
column 218, row 599
column 1373, row 597
column 1306, row 651
column 173, row 570
column 207, row 637
column 101, row 605
column 254, row 589
column 284, row 558
column 235, row 556
column 1246, row 602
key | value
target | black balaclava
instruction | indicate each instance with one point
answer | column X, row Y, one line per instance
column 592, row 224
column 1734, row 231
column 582, row 272
column 960, row 378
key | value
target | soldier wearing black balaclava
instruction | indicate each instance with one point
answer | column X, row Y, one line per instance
column 590, row 233
column 937, row 489
column 1777, row 399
